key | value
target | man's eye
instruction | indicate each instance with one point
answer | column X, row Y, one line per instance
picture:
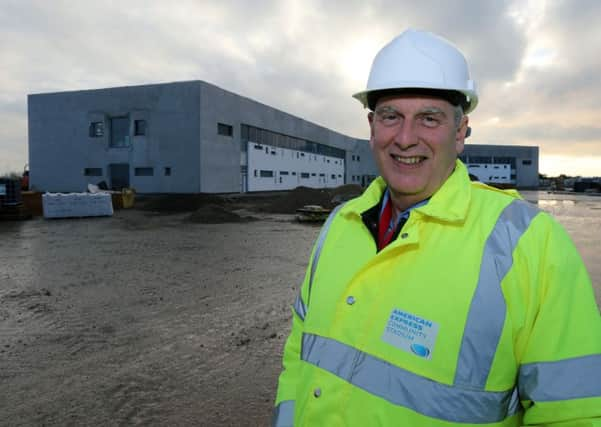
column 389, row 117
column 430, row 121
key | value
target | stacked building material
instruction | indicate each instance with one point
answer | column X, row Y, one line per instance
column 73, row 205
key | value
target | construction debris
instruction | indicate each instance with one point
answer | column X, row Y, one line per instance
column 312, row 213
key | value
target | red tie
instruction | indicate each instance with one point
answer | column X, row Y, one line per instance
column 384, row 234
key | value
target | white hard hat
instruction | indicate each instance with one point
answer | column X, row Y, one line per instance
column 423, row 61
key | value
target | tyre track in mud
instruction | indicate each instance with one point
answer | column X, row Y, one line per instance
column 170, row 323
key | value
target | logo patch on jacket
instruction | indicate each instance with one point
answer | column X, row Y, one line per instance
column 411, row 333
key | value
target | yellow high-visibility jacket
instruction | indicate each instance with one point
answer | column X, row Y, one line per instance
column 480, row 312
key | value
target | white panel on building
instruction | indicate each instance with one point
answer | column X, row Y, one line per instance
column 493, row 173
column 275, row 168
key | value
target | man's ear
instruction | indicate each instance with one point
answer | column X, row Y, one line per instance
column 461, row 134
column 370, row 119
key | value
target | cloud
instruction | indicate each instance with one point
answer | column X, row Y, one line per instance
column 536, row 62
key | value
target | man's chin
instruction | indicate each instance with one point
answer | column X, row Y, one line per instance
column 406, row 191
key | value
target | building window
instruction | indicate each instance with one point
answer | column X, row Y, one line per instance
column 322, row 174
column 167, row 171
column 304, row 175
column 144, row 171
column 92, row 171
column 252, row 134
column 339, row 176
column 225, row 130
column 255, row 172
column 527, row 162
column 258, row 147
column 312, row 174
column 358, row 158
column 96, row 129
column 283, row 172
column 119, row 132
column 139, row 127
column 333, row 176
column 273, row 153
column 294, row 173
column 266, row 174
column 353, row 158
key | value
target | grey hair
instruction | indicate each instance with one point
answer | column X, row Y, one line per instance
column 458, row 110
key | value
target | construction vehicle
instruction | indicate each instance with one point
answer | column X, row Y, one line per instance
column 11, row 202
column 312, row 213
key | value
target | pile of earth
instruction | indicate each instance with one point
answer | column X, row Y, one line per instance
column 177, row 203
column 290, row 201
column 216, row 214
column 214, row 208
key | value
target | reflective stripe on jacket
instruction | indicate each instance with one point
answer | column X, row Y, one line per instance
column 480, row 312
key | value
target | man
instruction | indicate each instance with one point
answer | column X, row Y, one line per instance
column 432, row 300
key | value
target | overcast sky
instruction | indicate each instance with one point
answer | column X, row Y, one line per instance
column 537, row 63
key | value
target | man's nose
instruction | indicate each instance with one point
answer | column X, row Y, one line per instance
column 406, row 134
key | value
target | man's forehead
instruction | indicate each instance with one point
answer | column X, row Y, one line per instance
column 414, row 102
column 409, row 100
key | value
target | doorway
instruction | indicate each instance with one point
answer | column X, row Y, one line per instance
column 119, row 176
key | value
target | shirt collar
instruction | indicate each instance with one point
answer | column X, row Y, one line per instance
column 404, row 214
column 450, row 203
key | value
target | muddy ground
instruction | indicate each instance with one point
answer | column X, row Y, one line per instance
column 173, row 313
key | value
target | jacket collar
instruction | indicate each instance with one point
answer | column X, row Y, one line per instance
column 449, row 204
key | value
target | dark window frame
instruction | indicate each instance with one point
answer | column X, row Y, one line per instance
column 126, row 139
column 96, row 129
column 225, row 130
column 139, row 127
column 144, row 171
column 92, row 172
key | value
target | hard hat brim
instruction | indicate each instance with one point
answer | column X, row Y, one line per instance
column 467, row 99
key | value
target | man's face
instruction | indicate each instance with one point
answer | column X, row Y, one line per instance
column 415, row 143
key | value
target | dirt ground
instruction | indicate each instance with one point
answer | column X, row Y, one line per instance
column 173, row 313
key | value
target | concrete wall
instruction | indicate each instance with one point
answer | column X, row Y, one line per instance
column 182, row 146
column 361, row 168
column 222, row 157
column 219, row 154
column 60, row 147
